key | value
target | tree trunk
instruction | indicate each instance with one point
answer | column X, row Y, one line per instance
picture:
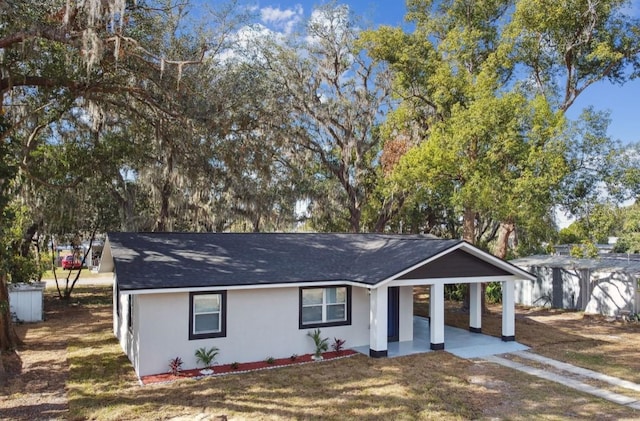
column 387, row 212
column 8, row 337
column 256, row 224
column 355, row 214
column 502, row 246
column 469, row 235
column 163, row 217
column 69, row 289
column 469, row 226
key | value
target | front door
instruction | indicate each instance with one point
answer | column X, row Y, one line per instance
column 393, row 314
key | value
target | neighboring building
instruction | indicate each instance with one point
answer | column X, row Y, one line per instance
column 607, row 286
column 258, row 295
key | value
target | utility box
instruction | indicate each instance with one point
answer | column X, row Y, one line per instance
column 26, row 301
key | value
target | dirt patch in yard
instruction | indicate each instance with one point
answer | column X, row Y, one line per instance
column 71, row 367
column 37, row 373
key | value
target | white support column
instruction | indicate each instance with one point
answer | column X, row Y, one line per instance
column 378, row 328
column 508, row 311
column 436, row 316
column 475, row 307
column 406, row 313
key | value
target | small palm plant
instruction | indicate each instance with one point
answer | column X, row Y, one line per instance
column 207, row 356
column 322, row 344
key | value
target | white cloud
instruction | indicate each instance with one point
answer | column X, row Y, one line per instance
column 282, row 19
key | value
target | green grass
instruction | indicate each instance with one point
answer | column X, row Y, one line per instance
column 62, row 274
column 82, row 295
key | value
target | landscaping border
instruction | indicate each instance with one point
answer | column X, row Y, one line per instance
column 227, row 369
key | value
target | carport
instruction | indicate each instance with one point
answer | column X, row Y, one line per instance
column 392, row 323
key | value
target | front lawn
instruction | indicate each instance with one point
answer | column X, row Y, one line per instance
column 100, row 382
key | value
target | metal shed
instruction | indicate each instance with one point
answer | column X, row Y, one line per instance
column 608, row 286
column 26, row 301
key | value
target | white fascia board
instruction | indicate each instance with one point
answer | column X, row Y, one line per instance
column 242, row 287
column 446, row 281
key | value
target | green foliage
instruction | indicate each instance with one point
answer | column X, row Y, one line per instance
column 494, row 292
column 590, row 250
column 585, row 250
column 270, row 360
column 571, row 45
column 596, row 164
column 572, row 234
column 17, row 258
column 629, row 240
column 23, row 269
column 577, row 251
column 491, row 147
column 485, row 138
column 602, row 221
column 480, row 92
column 321, row 344
column 455, row 292
column 206, row 356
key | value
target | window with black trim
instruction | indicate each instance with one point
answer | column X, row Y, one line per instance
column 207, row 315
column 327, row 306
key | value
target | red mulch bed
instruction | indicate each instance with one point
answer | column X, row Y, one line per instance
column 221, row 370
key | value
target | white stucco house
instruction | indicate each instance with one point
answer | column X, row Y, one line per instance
column 257, row 295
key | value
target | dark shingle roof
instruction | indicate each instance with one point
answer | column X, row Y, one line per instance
column 189, row 260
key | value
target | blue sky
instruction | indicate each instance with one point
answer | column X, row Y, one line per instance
column 621, row 102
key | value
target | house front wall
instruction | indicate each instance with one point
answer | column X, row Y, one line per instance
column 261, row 323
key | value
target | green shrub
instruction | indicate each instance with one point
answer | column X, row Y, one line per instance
column 322, row 344
column 455, row 292
column 494, row 292
column 207, row 356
